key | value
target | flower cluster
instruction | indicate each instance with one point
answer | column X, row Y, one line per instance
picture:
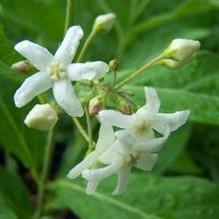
column 125, row 140
column 135, row 145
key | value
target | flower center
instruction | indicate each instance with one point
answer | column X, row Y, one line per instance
column 56, row 70
column 132, row 159
column 142, row 127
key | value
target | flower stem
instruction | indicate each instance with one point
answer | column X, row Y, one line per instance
column 69, row 14
column 45, row 169
column 149, row 65
column 81, row 129
column 89, row 129
column 86, row 45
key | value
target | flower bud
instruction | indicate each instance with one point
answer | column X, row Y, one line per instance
column 22, row 66
column 124, row 107
column 96, row 104
column 179, row 52
column 42, row 117
column 113, row 64
column 104, row 22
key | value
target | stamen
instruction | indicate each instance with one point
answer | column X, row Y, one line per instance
column 57, row 71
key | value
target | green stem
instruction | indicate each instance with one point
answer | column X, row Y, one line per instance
column 45, row 170
column 114, row 78
column 8, row 161
column 41, row 99
column 81, row 129
column 121, row 35
column 89, row 129
column 86, row 45
column 149, row 65
column 69, row 14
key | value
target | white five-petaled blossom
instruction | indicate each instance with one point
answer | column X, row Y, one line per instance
column 179, row 52
column 121, row 156
column 136, row 144
column 57, row 72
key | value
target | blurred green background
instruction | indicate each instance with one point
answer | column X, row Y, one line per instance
column 184, row 182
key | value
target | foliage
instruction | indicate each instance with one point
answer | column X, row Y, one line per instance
column 143, row 29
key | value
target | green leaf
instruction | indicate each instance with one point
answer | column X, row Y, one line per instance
column 199, row 75
column 41, row 18
column 147, row 196
column 172, row 149
column 6, row 212
column 74, row 151
column 181, row 11
column 7, row 53
column 72, row 196
column 194, row 87
column 23, row 142
column 14, row 194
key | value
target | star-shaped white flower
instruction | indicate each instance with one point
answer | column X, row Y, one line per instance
column 146, row 120
column 105, row 139
column 119, row 159
column 57, row 72
column 136, row 145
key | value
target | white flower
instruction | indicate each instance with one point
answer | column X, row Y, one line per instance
column 179, row 52
column 136, row 145
column 104, row 21
column 126, row 152
column 57, row 72
column 42, row 117
column 147, row 119
column 105, row 139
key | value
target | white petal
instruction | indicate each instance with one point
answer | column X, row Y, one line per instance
column 115, row 118
column 69, row 45
column 153, row 145
column 146, row 161
column 38, row 56
column 174, row 120
column 123, row 178
column 92, row 186
column 126, row 140
column 111, row 153
column 152, row 100
column 87, row 71
column 65, row 97
column 84, row 164
column 31, row 87
column 160, row 126
column 101, row 173
column 106, row 137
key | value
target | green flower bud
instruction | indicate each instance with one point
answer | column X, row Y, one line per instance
column 104, row 22
column 125, row 107
column 179, row 52
column 113, row 64
column 42, row 117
